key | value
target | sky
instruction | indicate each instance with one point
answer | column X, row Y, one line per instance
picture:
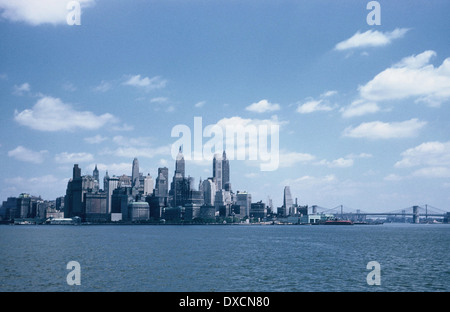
column 360, row 109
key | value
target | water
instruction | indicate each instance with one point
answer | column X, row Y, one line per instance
column 413, row 257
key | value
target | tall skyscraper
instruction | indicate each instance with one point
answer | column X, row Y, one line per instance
column 109, row 185
column 179, row 164
column 148, row 185
column 74, row 204
column 244, row 200
column 221, row 172
column 225, row 172
column 217, row 171
column 209, row 191
column 76, row 172
column 96, row 176
column 287, row 201
column 135, row 173
column 162, row 182
column 179, row 189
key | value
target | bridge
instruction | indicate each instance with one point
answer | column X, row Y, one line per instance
column 416, row 212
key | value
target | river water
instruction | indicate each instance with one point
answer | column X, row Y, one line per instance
column 225, row 258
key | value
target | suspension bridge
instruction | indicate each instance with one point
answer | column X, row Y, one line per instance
column 415, row 212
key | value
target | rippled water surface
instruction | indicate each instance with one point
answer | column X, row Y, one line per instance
column 413, row 257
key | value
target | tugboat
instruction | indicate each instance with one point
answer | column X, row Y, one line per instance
column 338, row 222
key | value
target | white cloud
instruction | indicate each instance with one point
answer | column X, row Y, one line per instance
column 385, row 130
column 412, row 77
column 432, row 172
column 51, row 114
column 289, row 159
column 69, row 86
column 262, row 107
column 23, row 88
column 160, row 99
column 102, row 87
column 393, row 177
column 24, row 154
column 337, row 163
column 132, row 141
column 143, row 152
column 36, row 12
column 95, row 139
column 200, row 104
column 321, row 104
column 310, row 182
column 360, row 155
column 72, row 158
column 236, row 124
column 328, row 93
column 432, row 157
column 124, row 127
column 116, row 169
column 46, row 185
column 359, row 108
column 370, row 38
column 145, row 82
column 434, row 154
column 313, row 106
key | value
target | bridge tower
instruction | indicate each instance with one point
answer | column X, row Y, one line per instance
column 415, row 214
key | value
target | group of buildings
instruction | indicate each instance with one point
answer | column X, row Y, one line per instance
column 139, row 198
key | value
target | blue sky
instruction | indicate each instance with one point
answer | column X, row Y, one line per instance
column 363, row 109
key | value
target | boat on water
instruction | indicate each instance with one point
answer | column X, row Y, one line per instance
column 338, row 222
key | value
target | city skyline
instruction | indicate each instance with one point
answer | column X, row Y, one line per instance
column 362, row 109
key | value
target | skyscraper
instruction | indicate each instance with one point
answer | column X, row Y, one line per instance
column 287, row 201
column 135, row 173
column 179, row 189
column 209, row 191
column 162, row 182
column 221, row 172
column 217, row 171
column 225, row 172
column 179, row 164
column 148, row 185
column 109, row 185
column 244, row 200
column 95, row 175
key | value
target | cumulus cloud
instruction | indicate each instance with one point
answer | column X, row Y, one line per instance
column 370, row 38
column 289, row 159
column 337, row 163
column 313, row 105
column 51, row 114
column 146, row 83
column 102, row 87
column 385, row 130
column 412, row 77
column 95, row 139
column 141, row 152
column 200, row 104
column 24, row 154
column 263, row 106
column 70, row 158
column 436, row 154
column 116, row 169
column 359, row 108
column 48, row 186
column 37, row 12
column 22, row 89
